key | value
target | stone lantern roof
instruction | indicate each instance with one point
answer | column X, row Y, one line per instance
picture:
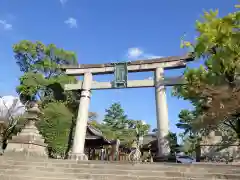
column 33, row 112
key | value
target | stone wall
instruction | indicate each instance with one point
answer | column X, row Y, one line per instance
column 219, row 145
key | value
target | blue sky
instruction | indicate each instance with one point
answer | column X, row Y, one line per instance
column 105, row 31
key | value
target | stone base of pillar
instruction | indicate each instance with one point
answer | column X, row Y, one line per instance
column 78, row 157
column 163, row 147
column 163, row 151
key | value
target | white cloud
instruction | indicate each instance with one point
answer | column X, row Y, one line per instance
column 63, row 1
column 6, row 26
column 71, row 22
column 137, row 53
column 134, row 53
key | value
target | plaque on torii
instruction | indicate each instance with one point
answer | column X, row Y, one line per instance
column 120, row 75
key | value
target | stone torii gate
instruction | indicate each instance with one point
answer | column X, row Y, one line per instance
column 158, row 65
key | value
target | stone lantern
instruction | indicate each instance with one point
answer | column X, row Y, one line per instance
column 29, row 141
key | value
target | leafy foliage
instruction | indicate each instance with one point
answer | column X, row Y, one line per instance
column 40, row 65
column 213, row 88
column 115, row 117
column 43, row 80
column 173, row 143
column 116, row 125
column 55, row 126
column 190, row 144
column 186, row 119
column 40, row 58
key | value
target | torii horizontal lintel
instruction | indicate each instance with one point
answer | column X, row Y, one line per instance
column 171, row 62
column 130, row 84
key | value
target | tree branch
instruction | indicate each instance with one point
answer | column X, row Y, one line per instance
column 231, row 125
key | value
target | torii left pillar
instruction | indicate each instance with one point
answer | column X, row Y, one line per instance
column 82, row 118
column 162, row 115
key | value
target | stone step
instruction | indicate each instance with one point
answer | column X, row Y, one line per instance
column 32, row 159
column 134, row 167
column 21, row 177
column 48, row 176
column 84, row 173
column 52, row 169
column 101, row 165
column 103, row 168
column 115, row 169
column 13, row 177
column 168, row 172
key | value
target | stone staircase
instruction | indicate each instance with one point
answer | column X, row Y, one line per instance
column 20, row 168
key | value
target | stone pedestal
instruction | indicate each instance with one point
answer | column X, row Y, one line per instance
column 162, row 116
column 28, row 141
column 78, row 157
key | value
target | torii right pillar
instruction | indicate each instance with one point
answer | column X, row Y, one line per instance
column 162, row 115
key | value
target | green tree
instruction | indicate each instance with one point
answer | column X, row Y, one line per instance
column 189, row 144
column 213, row 88
column 56, row 127
column 191, row 135
column 188, row 122
column 141, row 126
column 43, row 80
column 114, row 122
column 173, row 143
column 116, row 125
column 115, row 117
